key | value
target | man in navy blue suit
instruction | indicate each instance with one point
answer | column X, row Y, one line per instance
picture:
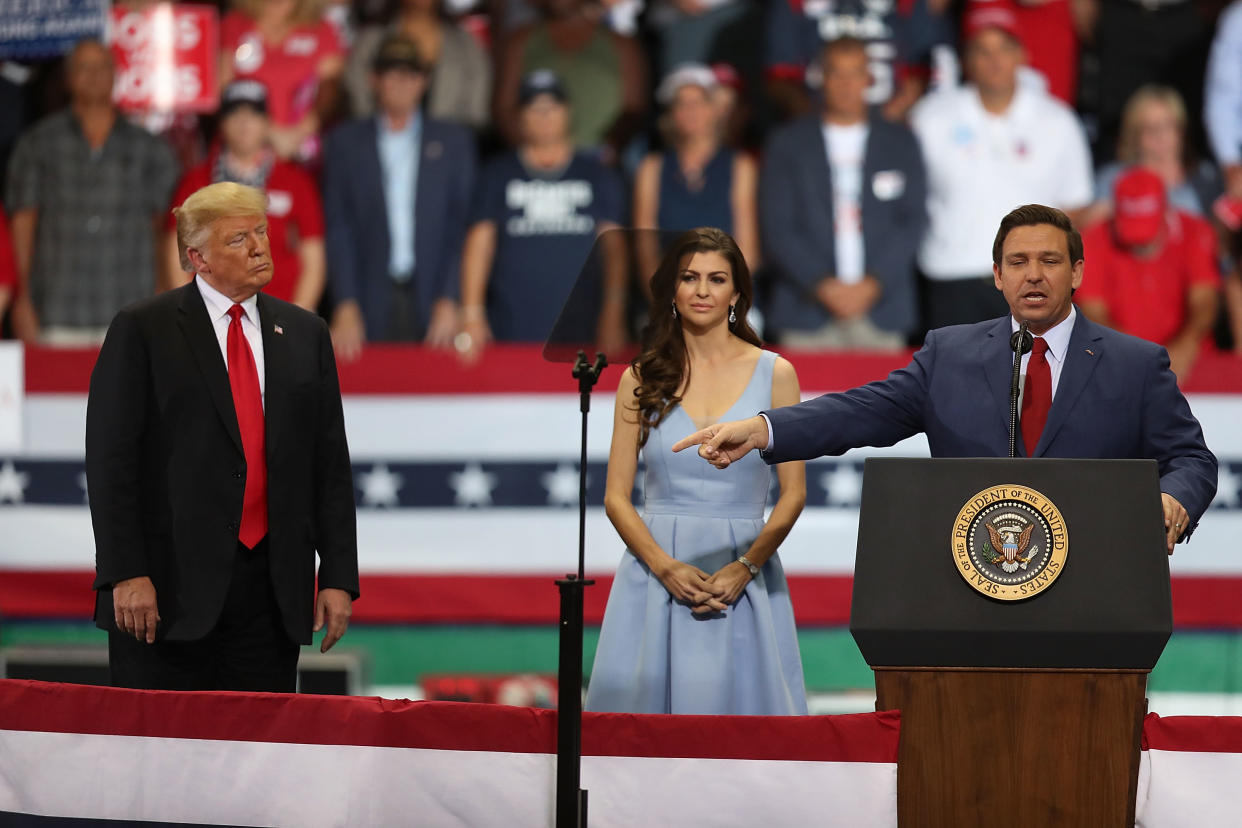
column 1088, row 391
column 396, row 191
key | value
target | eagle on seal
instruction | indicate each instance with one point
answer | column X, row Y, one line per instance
column 1010, row 545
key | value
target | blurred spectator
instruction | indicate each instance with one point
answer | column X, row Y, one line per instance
column 899, row 35
column 1222, row 111
column 698, row 31
column 8, row 266
column 695, row 181
column 1147, row 41
column 396, row 196
column 290, row 48
column 990, row 146
column 603, row 75
column 87, row 190
column 1153, row 136
column 294, row 214
column 1047, row 29
column 847, row 169
column 1151, row 271
column 460, row 87
column 536, row 214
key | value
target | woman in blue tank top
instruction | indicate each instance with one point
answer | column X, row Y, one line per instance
column 696, row 181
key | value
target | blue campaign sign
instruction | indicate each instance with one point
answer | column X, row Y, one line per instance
column 48, row 28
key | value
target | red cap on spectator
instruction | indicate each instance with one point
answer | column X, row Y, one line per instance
column 727, row 75
column 990, row 15
column 1139, row 206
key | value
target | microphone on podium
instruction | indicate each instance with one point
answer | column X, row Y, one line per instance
column 1020, row 342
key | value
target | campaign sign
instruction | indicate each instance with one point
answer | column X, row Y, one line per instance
column 166, row 58
column 32, row 29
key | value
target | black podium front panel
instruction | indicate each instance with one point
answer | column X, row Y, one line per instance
column 1109, row 608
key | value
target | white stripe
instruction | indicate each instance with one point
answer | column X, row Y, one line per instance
column 498, row 426
column 1185, row 788
column 263, row 783
column 507, row 541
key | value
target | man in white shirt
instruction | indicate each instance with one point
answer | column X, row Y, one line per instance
column 989, row 146
column 842, row 198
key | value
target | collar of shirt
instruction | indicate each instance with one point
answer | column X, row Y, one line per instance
column 218, row 312
column 412, row 130
column 1057, row 337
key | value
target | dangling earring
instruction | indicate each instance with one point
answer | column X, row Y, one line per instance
column 732, row 315
column 674, row 310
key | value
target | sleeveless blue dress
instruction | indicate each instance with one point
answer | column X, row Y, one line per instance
column 655, row 655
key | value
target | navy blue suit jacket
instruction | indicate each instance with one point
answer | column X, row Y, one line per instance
column 1116, row 398
column 796, row 220
column 356, row 217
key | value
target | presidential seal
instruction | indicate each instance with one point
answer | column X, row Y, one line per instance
column 1009, row 542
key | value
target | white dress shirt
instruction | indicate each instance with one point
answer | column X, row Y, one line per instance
column 218, row 312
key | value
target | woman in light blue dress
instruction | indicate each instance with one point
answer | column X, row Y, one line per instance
column 699, row 618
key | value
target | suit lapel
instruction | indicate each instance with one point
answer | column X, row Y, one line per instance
column 1075, row 373
column 997, row 359
column 819, row 174
column 275, row 368
column 201, row 338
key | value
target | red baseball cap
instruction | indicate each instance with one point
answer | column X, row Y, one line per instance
column 1139, row 207
column 990, row 14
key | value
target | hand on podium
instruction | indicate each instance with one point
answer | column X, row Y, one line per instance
column 723, row 443
column 1176, row 521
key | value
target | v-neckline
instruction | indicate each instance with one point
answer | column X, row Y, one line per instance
column 713, row 421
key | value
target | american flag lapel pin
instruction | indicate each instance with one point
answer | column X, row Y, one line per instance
column 278, row 329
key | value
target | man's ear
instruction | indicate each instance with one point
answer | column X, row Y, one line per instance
column 197, row 260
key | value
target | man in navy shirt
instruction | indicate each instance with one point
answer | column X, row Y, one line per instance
column 536, row 214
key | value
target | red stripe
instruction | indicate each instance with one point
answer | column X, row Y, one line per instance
column 1199, row 602
column 516, row 369
column 1199, row 734
column 348, row 720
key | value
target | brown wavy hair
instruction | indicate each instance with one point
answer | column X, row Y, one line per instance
column 663, row 366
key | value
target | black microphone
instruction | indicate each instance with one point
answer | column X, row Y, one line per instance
column 1021, row 342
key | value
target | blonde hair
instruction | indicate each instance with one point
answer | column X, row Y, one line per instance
column 305, row 12
column 205, row 206
column 1127, row 141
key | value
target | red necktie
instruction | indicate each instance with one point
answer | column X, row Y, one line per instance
column 1036, row 396
column 244, row 380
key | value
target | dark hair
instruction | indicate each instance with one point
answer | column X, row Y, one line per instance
column 1031, row 214
column 843, row 44
column 663, row 366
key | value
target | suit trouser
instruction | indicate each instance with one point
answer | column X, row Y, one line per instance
column 248, row 649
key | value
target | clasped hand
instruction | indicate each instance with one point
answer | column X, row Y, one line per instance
column 702, row 592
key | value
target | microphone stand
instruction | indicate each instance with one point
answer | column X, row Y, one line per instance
column 1021, row 343
column 571, row 800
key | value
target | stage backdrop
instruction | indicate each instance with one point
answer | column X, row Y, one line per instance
column 466, row 483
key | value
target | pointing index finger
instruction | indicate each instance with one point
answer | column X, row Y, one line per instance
column 693, row 440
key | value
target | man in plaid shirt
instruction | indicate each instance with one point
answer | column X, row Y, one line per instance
column 85, row 189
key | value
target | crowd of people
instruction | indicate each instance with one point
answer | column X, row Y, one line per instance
column 439, row 171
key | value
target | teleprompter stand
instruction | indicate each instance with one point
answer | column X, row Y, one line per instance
column 571, row 800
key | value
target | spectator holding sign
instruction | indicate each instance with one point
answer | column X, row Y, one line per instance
column 294, row 213
column 536, row 214
column 87, row 190
column 290, row 48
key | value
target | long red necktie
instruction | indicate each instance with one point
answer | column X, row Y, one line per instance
column 244, row 380
column 1036, row 396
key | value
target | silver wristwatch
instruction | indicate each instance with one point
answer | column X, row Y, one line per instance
column 744, row 561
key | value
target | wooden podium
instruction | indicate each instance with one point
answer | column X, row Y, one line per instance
column 1023, row 712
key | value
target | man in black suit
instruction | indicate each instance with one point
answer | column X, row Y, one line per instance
column 396, row 191
column 217, row 467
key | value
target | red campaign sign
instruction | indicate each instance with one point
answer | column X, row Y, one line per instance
column 166, row 58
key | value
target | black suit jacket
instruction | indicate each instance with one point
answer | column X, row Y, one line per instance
column 166, row 473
